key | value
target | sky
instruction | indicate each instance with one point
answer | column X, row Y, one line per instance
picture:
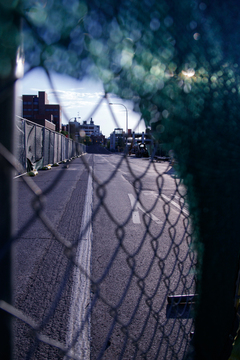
column 79, row 98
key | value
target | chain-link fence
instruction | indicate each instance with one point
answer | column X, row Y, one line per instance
column 117, row 281
column 145, row 268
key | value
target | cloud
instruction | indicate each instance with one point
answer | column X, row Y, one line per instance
column 72, row 98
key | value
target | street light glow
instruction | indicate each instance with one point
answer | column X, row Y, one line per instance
column 189, row 72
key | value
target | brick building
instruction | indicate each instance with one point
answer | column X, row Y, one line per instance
column 37, row 109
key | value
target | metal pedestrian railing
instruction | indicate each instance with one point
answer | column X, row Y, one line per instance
column 40, row 146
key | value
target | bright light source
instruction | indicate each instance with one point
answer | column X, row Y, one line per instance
column 189, row 72
column 19, row 71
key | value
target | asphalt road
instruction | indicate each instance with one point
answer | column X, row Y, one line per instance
column 140, row 255
column 135, row 249
column 45, row 281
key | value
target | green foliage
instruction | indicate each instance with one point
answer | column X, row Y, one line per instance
column 64, row 133
column 9, row 37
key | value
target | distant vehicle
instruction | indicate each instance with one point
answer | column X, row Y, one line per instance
column 141, row 151
column 137, row 148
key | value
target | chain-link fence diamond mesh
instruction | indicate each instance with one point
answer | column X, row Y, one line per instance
column 103, row 289
column 118, row 280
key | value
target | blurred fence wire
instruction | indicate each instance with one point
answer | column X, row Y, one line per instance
column 166, row 327
column 179, row 64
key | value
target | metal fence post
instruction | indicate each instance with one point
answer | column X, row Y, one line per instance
column 57, row 158
column 10, row 19
column 54, row 147
column 61, row 148
column 35, row 143
column 25, row 146
column 7, row 125
column 6, row 213
column 49, row 147
column 43, row 146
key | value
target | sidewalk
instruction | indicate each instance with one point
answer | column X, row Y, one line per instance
column 40, row 262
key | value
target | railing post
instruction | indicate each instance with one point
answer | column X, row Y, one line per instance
column 35, row 155
column 57, row 148
column 61, row 146
column 25, row 146
column 53, row 147
column 49, row 147
column 43, row 146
